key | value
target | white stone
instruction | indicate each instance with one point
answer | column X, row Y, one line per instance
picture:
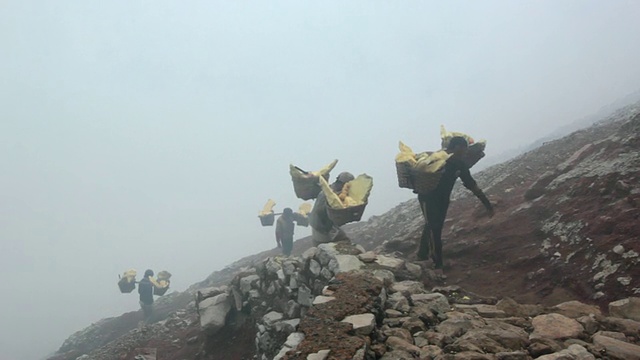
column 347, row 263
column 385, row 276
column 320, row 355
column 246, row 283
column 618, row 249
column 294, row 339
column 271, row 318
column 390, row 262
column 363, row 324
column 310, row 253
column 322, row 299
column 314, row 267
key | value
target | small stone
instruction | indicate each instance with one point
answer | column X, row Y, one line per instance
column 314, row 267
column 368, row 257
column 386, row 261
column 555, row 326
column 618, row 249
column 320, row 355
column 617, row 349
column 322, row 299
column 626, row 308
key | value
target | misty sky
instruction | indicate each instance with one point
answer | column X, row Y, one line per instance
column 148, row 134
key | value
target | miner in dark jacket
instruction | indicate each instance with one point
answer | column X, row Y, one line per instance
column 435, row 203
column 145, row 289
column 284, row 231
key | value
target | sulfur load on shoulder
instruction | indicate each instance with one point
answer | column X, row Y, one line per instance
column 267, row 216
column 475, row 152
column 301, row 217
column 305, row 183
column 161, row 283
column 420, row 172
column 127, row 282
column 349, row 205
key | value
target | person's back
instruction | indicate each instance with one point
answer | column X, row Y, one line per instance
column 145, row 289
column 284, row 231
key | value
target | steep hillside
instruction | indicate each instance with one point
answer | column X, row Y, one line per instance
column 566, row 227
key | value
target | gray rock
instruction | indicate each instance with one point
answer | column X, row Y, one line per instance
column 368, row 257
column 396, row 343
column 248, row 282
column 626, row 308
column 287, row 326
column 386, row 261
column 408, row 287
column 213, row 312
column 289, row 267
column 385, row 276
column 326, row 274
column 397, row 301
column 430, row 352
column 391, row 313
column 513, row 355
column 589, row 323
column 363, row 324
column 310, row 253
column 271, row 318
column 555, row 326
column 486, row 311
column 625, row 326
column 618, row 249
column 399, row 332
column 612, row 334
column 397, row 355
column 414, row 269
column 314, row 267
column 436, row 301
column 294, row 339
column 326, row 252
column 617, row 349
column 576, row 309
column 457, row 324
column 322, row 299
column 305, row 297
column 346, row 263
column 292, row 309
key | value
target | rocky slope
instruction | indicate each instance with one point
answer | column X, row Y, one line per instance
column 566, row 228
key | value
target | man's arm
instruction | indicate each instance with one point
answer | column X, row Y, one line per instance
column 470, row 183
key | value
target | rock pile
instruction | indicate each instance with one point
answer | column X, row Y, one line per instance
column 339, row 302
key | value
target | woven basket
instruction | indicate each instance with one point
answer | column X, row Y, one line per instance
column 472, row 156
column 300, row 219
column 424, row 182
column 126, row 286
column 347, row 215
column 306, row 188
column 267, row 220
column 160, row 291
column 403, row 170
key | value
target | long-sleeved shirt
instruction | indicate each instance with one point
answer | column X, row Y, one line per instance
column 145, row 289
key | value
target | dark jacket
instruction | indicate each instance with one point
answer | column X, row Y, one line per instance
column 284, row 228
column 145, row 289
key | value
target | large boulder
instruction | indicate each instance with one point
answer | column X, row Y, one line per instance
column 555, row 326
column 626, row 308
column 576, row 309
column 213, row 313
column 616, row 349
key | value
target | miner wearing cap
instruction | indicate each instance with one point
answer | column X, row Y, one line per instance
column 323, row 230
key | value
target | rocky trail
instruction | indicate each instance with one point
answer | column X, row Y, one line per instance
column 553, row 275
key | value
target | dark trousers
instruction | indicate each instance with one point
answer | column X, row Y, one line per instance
column 287, row 246
column 434, row 209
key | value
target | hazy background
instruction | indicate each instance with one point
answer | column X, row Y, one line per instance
column 149, row 134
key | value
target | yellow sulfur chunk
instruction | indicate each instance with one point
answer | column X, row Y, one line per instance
column 433, row 162
column 268, row 208
column 332, row 198
column 304, row 209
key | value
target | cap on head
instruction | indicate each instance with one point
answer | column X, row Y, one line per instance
column 287, row 212
column 149, row 272
column 457, row 141
column 345, row 177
